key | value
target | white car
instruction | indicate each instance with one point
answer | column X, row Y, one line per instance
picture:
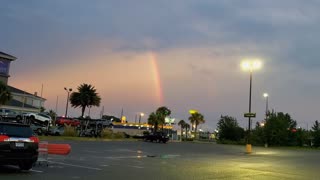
column 39, row 117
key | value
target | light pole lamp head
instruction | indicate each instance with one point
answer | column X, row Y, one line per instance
column 265, row 95
column 141, row 114
column 251, row 65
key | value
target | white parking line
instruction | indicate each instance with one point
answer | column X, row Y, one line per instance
column 138, row 167
column 85, row 167
column 32, row 170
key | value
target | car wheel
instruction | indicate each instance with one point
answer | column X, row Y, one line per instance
column 32, row 119
column 25, row 165
column 19, row 118
column 92, row 133
column 46, row 123
column 39, row 132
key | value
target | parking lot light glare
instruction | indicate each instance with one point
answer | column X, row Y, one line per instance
column 251, row 65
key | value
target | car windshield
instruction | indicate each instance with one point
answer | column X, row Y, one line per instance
column 15, row 130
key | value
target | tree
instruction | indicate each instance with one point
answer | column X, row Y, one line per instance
column 196, row 119
column 85, row 97
column 162, row 112
column 153, row 119
column 5, row 94
column 279, row 129
column 316, row 133
column 182, row 123
column 52, row 114
column 42, row 109
column 229, row 129
column 316, row 126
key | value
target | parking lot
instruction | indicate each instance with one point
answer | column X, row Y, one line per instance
column 143, row 160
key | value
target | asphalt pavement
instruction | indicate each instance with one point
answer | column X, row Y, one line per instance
column 174, row 160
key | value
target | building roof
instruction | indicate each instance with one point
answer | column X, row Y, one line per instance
column 19, row 91
column 7, row 56
column 16, row 103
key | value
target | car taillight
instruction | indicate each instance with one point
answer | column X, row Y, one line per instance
column 4, row 138
column 34, row 139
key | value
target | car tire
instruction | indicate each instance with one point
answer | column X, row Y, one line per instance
column 19, row 118
column 25, row 165
column 92, row 133
column 46, row 123
column 32, row 119
column 39, row 132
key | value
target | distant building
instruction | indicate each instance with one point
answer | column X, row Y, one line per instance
column 21, row 100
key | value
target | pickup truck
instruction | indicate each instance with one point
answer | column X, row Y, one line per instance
column 157, row 137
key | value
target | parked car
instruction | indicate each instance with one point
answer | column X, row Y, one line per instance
column 39, row 129
column 10, row 114
column 100, row 123
column 67, row 121
column 39, row 117
column 18, row 145
column 57, row 131
column 157, row 136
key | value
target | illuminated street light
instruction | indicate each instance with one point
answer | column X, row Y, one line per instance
column 140, row 115
column 68, row 91
column 250, row 66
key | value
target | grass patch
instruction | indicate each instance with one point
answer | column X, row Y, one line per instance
column 69, row 131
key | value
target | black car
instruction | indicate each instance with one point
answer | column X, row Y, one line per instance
column 18, row 145
column 157, row 136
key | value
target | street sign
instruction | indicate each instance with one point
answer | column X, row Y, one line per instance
column 253, row 115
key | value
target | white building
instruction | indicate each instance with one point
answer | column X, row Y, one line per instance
column 21, row 100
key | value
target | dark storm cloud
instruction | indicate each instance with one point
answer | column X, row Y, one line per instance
column 65, row 27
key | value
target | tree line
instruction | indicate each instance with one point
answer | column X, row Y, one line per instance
column 279, row 129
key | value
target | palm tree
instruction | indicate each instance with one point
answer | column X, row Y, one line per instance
column 153, row 120
column 187, row 127
column 182, row 123
column 196, row 119
column 85, row 97
column 5, row 94
column 162, row 113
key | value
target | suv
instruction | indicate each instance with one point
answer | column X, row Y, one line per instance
column 157, row 136
column 9, row 114
column 39, row 117
column 18, row 145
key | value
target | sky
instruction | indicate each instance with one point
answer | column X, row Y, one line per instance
column 183, row 54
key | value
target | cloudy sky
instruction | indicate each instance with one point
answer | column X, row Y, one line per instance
column 184, row 54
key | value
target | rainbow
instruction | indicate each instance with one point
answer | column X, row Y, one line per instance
column 156, row 78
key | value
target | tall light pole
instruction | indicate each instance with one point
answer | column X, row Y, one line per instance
column 68, row 92
column 266, row 95
column 140, row 115
column 250, row 66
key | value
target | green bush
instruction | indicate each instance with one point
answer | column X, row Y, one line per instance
column 107, row 133
column 119, row 135
column 69, row 131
